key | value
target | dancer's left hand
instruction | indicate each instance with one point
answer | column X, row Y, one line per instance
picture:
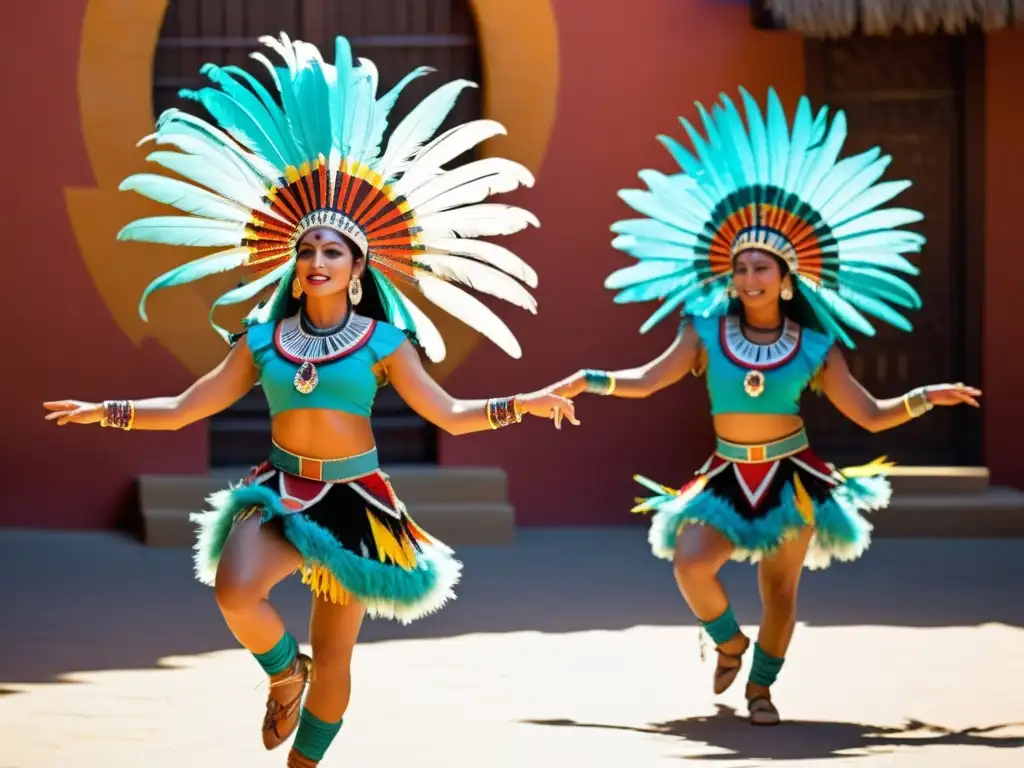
column 547, row 405
column 953, row 394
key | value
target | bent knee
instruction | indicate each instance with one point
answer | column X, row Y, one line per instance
column 780, row 594
column 235, row 593
column 694, row 567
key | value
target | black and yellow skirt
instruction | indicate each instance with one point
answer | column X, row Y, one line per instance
column 354, row 534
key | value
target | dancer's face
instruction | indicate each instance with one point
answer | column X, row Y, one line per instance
column 326, row 262
column 758, row 279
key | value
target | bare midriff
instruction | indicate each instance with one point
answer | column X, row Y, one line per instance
column 756, row 428
column 322, row 434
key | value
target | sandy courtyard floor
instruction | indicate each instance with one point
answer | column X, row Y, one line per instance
column 926, row 668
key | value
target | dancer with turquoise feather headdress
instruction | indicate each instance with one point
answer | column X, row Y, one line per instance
column 296, row 190
column 772, row 249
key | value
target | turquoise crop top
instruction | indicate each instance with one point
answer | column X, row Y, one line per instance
column 340, row 370
column 743, row 377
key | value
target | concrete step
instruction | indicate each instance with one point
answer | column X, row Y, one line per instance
column 457, row 525
column 998, row 512
column 415, row 484
column 942, row 481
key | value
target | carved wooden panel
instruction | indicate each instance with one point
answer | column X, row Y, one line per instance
column 905, row 95
column 398, row 36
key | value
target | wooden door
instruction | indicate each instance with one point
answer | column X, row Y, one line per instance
column 398, row 36
column 910, row 96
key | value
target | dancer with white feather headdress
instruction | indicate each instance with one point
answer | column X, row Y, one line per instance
column 295, row 190
column 770, row 248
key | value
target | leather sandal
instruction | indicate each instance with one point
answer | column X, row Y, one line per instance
column 282, row 718
column 762, row 711
column 725, row 676
column 298, row 760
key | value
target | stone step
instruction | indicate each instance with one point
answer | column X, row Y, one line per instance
column 996, row 513
column 940, row 481
column 457, row 525
column 415, row 484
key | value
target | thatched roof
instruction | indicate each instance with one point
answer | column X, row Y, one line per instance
column 840, row 18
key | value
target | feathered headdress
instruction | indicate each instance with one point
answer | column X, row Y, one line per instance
column 311, row 157
column 765, row 187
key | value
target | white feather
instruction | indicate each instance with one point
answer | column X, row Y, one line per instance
column 469, row 184
column 489, row 253
column 471, row 311
column 446, row 147
column 426, row 332
column 480, row 277
column 419, row 126
column 478, row 221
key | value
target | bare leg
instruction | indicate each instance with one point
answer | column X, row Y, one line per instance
column 255, row 558
column 333, row 631
column 701, row 551
column 778, row 579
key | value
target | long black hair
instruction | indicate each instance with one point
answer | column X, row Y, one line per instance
column 797, row 309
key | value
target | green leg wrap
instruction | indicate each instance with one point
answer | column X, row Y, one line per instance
column 724, row 628
column 314, row 735
column 765, row 668
column 280, row 657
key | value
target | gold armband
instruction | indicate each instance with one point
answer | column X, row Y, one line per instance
column 502, row 411
column 917, row 403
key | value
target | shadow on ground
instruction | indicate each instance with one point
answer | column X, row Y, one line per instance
column 88, row 601
column 805, row 739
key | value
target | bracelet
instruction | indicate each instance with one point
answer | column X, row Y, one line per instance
column 119, row 414
column 917, row 403
column 502, row 411
column 599, row 382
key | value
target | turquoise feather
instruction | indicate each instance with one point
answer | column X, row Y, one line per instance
column 183, row 230
column 238, row 123
column 213, row 264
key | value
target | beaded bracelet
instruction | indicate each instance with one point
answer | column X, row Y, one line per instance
column 599, row 382
column 917, row 403
column 503, row 411
column 119, row 414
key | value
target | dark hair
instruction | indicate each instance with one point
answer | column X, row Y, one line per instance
column 372, row 304
column 797, row 309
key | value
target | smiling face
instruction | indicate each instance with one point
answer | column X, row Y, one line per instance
column 757, row 277
column 326, row 263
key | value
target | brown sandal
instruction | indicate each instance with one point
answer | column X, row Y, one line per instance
column 762, row 711
column 298, row 760
column 281, row 719
column 725, row 676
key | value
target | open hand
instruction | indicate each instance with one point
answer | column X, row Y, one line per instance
column 73, row 412
column 547, row 405
column 952, row 394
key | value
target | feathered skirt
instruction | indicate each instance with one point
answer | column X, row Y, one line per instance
column 355, row 537
column 760, row 496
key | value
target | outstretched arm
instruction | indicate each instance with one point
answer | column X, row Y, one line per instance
column 665, row 370
column 459, row 417
column 858, row 405
column 217, row 390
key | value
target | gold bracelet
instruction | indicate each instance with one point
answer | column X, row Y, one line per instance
column 917, row 403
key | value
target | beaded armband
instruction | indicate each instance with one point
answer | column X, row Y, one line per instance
column 502, row 411
column 599, row 382
column 118, row 413
column 917, row 403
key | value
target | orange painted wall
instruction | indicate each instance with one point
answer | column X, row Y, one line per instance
column 1004, row 262
column 626, row 77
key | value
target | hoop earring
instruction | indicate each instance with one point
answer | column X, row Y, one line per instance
column 296, row 289
column 786, row 294
column 355, row 291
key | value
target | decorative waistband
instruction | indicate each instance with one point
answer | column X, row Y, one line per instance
column 744, row 453
column 325, row 470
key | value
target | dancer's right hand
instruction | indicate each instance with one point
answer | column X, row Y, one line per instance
column 73, row 412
